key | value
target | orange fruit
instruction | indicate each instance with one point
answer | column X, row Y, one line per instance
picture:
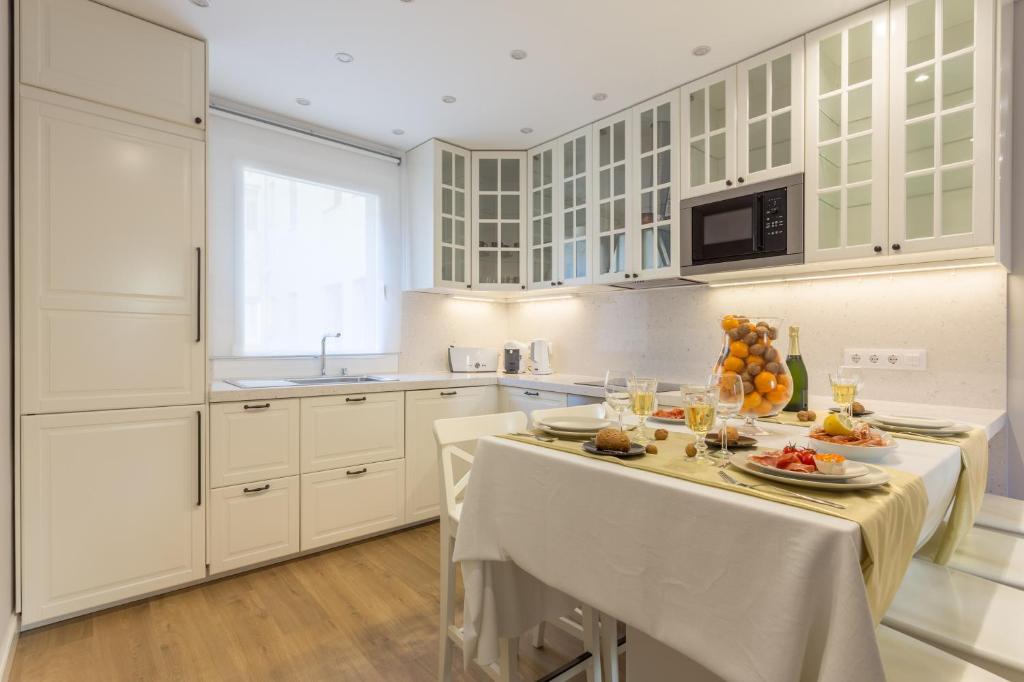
column 729, row 322
column 733, row 364
column 755, row 360
column 764, row 408
column 751, row 401
column 780, row 394
column 739, row 349
column 783, row 379
column 765, row 382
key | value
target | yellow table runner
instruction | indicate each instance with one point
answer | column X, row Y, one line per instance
column 969, row 492
column 890, row 517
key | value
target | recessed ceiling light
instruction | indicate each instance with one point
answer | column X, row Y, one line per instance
column 344, row 57
column 701, row 50
column 201, row 3
column 526, row 131
column 518, row 55
column 399, row 131
column 302, row 101
column 921, row 78
column 600, row 96
column 448, row 99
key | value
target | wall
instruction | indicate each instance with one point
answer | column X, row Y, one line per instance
column 1015, row 311
column 431, row 323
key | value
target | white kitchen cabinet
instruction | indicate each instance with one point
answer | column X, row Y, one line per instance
column 573, row 217
column 942, row 126
column 422, row 409
column 253, row 522
column 611, row 168
column 111, row 228
column 542, row 240
column 96, row 53
column 499, row 221
column 348, row 503
column 346, row 430
column 770, row 113
column 654, row 220
column 847, row 179
column 527, row 400
column 437, row 197
column 113, row 507
column 254, row 440
column 708, row 110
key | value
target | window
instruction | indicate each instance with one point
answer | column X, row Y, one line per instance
column 309, row 266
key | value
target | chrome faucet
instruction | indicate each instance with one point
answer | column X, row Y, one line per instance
column 323, row 351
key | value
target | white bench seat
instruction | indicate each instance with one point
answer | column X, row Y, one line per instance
column 1002, row 513
column 992, row 555
column 910, row 660
column 969, row 617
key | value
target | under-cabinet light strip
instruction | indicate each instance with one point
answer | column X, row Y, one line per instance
column 846, row 275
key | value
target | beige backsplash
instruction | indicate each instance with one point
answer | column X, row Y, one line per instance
column 958, row 316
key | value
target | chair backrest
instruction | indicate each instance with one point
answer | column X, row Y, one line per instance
column 598, row 410
column 449, row 432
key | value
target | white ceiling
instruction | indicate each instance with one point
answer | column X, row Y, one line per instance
column 266, row 53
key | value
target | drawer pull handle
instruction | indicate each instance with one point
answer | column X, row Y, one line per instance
column 448, row 393
column 360, row 399
column 256, row 490
column 256, row 407
column 356, row 472
column 533, row 393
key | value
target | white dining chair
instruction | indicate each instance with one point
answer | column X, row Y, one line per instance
column 597, row 410
column 1001, row 513
column 450, row 435
column 906, row 659
column 966, row 616
column 991, row 554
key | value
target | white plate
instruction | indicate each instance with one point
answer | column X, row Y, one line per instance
column 853, row 470
column 952, row 430
column 577, row 435
column 582, row 424
column 903, row 420
column 873, row 479
column 861, row 453
column 665, row 420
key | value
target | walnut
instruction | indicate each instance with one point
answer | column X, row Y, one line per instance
column 691, row 450
column 651, row 449
column 661, row 434
column 806, row 415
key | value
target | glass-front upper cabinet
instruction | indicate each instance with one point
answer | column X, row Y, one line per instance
column 610, row 174
column 942, row 124
column 769, row 114
column 542, row 267
column 573, row 216
column 454, row 218
column 654, row 218
column 847, row 159
column 499, row 210
column 708, row 132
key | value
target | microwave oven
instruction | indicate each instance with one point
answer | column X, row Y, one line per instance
column 751, row 226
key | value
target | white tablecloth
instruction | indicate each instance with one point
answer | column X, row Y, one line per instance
column 747, row 588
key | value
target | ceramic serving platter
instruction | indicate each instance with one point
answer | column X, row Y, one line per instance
column 874, row 478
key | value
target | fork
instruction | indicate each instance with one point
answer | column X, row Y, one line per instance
column 729, row 479
column 543, row 439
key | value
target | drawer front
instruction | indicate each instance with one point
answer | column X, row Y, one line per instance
column 527, row 400
column 254, row 522
column 253, row 441
column 345, row 430
column 351, row 502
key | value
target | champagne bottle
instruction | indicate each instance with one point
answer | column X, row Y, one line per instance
column 798, row 371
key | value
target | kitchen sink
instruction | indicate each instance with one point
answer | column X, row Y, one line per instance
column 308, row 381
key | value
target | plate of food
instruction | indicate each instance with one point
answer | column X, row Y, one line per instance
column 859, row 441
column 669, row 415
column 611, row 442
column 735, row 439
column 874, row 478
column 798, row 462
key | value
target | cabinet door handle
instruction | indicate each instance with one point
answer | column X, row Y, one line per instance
column 895, row 247
column 360, row 399
column 531, row 393
column 199, row 294
column 739, row 179
column 448, row 393
column 256, row 490
column 728, row 183
column 256, row 407
column 878, row 249
column 355, row 472
column 199, row 458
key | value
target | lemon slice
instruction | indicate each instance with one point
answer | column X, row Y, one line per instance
column 837, row 424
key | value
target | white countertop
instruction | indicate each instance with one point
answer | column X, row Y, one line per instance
column 992, row 420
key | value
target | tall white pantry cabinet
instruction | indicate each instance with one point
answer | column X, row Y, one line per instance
column 110, row 332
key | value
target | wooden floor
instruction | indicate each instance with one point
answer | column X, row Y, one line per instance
column 368, row 611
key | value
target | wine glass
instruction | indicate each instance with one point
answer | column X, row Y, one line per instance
column 730, row 399
column 846, row 384
column 616, row 392
column 643, row 392
column 699, row 404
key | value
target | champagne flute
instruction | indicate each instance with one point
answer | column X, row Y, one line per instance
column 699, row 404
column 846, row 384
column 642, row 392
column 616, row 391
column 730, row 399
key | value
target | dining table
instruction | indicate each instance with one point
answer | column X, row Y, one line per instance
column 712, row 583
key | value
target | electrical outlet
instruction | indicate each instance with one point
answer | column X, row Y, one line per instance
column 887, row 358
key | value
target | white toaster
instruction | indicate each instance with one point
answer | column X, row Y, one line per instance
column 469, row 359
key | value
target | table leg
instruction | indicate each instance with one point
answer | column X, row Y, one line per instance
column 609, row 638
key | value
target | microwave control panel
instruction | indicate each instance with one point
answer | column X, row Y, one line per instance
column 774, row 219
